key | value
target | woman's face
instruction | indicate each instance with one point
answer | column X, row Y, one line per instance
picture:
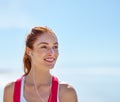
column 45, row 51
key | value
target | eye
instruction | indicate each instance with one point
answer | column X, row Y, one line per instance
column 43, row 46
column 56, row 47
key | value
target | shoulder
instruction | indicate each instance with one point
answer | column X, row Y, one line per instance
column 9, row 88
column 8, row 92
column 67, row 93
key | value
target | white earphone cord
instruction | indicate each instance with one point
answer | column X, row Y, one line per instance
column 37, row 89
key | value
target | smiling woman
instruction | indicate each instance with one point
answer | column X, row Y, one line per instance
column 38, row 84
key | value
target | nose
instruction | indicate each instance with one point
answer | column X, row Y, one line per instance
column 51, row 51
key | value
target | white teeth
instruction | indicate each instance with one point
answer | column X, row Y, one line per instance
column 49, row 59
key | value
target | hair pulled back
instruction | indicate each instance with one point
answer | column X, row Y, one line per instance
column 30, row 40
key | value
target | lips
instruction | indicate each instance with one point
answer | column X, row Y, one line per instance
column 49, row 59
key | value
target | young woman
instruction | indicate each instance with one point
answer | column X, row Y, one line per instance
column 37, row 84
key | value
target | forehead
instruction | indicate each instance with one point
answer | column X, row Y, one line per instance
column 46, row 37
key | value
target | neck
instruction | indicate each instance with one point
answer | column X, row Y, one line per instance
column 41, row 77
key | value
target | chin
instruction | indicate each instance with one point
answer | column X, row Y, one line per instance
column 51, row 66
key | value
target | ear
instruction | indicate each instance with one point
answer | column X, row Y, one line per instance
column 28, row 51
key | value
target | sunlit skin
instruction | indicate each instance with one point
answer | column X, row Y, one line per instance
column 45, row 52
column 43, row 58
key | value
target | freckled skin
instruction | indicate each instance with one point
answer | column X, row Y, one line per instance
column 44, row 48
column 43, row 58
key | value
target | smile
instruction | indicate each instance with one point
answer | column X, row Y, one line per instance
column 49, row 59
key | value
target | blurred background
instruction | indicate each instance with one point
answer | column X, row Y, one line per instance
column 89, row 43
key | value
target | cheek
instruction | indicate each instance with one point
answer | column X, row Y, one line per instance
column 38, row 54
column 57, row 53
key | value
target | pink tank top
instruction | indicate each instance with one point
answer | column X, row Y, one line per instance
column 53, row 94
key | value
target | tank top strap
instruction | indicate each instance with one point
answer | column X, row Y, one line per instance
column 17, row 89
column 54, row 90
column 53, row 94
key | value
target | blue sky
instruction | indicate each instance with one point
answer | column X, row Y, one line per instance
column 88, row 30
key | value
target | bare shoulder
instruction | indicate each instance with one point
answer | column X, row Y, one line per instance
column 8, row 92
column 67, row 93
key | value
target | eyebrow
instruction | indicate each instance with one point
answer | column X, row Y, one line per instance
column 46, row 43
